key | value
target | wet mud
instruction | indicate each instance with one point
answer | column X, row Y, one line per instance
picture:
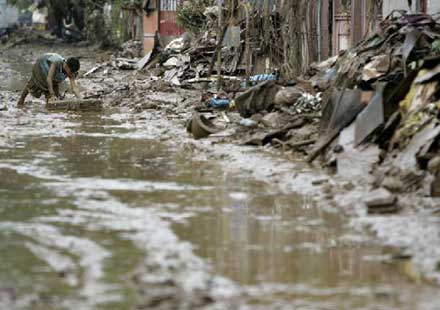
column 123, row 210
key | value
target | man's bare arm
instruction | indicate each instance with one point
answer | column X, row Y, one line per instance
column 74, row 87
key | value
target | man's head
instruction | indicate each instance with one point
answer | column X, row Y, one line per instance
column 73, row 64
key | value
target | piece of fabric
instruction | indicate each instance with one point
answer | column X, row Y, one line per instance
column 47, row 60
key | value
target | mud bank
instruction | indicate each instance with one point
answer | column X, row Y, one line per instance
column 124, row 209
column 414, row 233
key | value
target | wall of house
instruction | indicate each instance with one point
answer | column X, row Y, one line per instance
column 8, row 14
column 390, row 5
column 151, row 25
column 433, row 6
column 163, row 21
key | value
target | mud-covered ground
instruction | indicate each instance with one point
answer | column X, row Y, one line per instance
column 122, row 209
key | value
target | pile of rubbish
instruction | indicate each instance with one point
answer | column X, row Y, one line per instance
column 269, row 110
column 191, row 64
column 171, row 63
column 374, row 107
column 131, row 49
column 381, row 105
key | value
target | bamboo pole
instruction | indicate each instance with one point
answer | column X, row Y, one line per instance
column 220, row 44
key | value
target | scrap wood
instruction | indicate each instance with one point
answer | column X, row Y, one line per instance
column 225, row 117
column 93, row 70
column 295, row 145
column 302, row 143
column 407, row 158
column 212, row 79
column 388, row 130
column 429, row 76
column 376, row 68
column 371, row 117
column 144, row 61
column 217, row 50
column 283, row 144
column 341, row 110
column 322, row 145
column 411, row 40
column 265, row 138
column 75, row 105
column 121, row 88
column 404, row 37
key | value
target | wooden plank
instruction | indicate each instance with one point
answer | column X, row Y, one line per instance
column 83, row 105
column 356, row 21
column 144, row 61
column 325, row 26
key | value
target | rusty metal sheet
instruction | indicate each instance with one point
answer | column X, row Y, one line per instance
column 339, row 112
column 344, row 106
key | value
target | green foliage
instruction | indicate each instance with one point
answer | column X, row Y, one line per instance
column 190, row 15
column 436, row 46
column 21, row 4
column 103, row 28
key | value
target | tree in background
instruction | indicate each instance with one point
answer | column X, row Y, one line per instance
column 191, row 15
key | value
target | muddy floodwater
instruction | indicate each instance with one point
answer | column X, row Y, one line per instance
column 113, row 210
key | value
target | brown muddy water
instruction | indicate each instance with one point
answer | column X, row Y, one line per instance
column 97, row 211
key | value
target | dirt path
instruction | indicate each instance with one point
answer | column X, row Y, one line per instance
column 122, row 209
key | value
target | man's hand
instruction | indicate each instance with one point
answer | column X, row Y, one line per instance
column 77, row 93
column 51, row 99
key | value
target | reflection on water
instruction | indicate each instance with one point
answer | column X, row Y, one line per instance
column 66, row 211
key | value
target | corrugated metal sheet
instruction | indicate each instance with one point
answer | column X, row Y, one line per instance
column 168, row 5
column 433, row 6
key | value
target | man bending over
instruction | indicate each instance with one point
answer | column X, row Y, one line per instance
column 48, row 72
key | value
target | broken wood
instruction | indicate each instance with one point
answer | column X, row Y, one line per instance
column 286, row 144
column 83, row 105
column 302, row 143
column 322, row 146
column 101, row 94
column 144, row 61
column 265, row 138
column 217, row 50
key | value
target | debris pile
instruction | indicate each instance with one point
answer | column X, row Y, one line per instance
column 267, row 106
column 372, row 112
column 131, row 49
column 192, row 65
column 381, row 103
